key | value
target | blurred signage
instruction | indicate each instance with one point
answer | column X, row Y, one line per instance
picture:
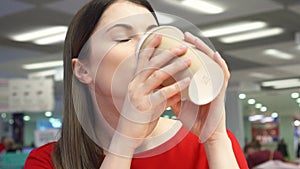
column 29, row 95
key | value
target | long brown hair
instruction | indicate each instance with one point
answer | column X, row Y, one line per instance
column 75, row 150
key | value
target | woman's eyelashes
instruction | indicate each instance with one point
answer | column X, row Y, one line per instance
column 122, row 40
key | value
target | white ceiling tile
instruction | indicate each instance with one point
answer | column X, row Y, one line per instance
column 255, row 54
column 292, row 69
column 8, row 7
column 234, row 9
column 245, row 75
column 295, row 8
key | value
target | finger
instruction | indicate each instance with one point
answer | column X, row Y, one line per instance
column 218, row 59
column 165, row 56
column 173, row 100
column 147, row 52
column 167, row 92
column 199, row 44
column 160, row 75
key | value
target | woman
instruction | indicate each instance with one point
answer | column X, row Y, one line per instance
column 122, row 89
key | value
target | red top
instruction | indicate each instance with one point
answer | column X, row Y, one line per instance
column 188, row 154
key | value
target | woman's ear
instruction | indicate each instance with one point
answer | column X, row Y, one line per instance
column 81, row 72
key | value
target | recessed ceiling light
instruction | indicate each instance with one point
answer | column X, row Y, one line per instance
column 51, row 39
column 43, row 65
column 298, row 100
column 251, row 101
column 242, row 96
column 280, row 82
column 203, row 6
column 26, row 118
column 287, row 85
column 48, row 114
column 40, row 33
column 233, row 28
column 295, row 95
column 261, row 75
column 251, row 35
column 274, row 114
column 278, row 54
column 297, row 123
column 258, row 105
column 263, row 109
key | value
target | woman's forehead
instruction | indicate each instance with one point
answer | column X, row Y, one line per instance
column 125, row 11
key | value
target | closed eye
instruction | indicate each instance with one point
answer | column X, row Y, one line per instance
column 122, row 40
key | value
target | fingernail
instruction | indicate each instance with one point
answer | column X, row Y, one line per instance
column 157, row 36
column 185, row 82
column 182, row 47
column 187, row 61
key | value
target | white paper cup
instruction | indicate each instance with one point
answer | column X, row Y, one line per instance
column 206, row 75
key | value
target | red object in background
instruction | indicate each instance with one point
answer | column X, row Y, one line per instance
column 2, row 148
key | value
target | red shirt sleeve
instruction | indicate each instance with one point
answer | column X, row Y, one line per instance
column 40, row 158
column 238, row 152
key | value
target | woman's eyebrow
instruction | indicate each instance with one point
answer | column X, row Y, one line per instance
column 151, row 26
column 126, row 26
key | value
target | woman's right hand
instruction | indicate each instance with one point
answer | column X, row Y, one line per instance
column 146, row 99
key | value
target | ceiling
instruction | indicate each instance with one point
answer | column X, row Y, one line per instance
column 246, row 60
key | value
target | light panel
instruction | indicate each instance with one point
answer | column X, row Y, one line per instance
column 43, row 65
column 233, row 28
column 251, row 35
column 278, row 54
column 203, row 6
column 40, row 33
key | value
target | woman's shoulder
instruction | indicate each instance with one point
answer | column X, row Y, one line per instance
column 41, row 157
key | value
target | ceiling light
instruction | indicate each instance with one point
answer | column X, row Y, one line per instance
column 274, row 114
column 43, row 65
column 263, row 109
column 295, row 95
column 42, row 74
column 288, row 85
column 297, row 123
column 258, row 105
column 233, row 28
column 251, row 35
column 261, row 75
column 26, row 118
column 48, row 114
column 279, row 82
column 242, row 96
column 3, row 115
column 278, row 54
column 41, row 33
column 51, row 39
column 251, row 101
column 203, row 6
column 298, row 100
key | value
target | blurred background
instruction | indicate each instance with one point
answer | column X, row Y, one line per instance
column 260, row 40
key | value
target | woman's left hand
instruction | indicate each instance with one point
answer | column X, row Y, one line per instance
column 207, row 128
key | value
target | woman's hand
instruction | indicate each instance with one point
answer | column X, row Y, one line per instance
column 206, row 121
column 146, row 99
column 210, row 122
